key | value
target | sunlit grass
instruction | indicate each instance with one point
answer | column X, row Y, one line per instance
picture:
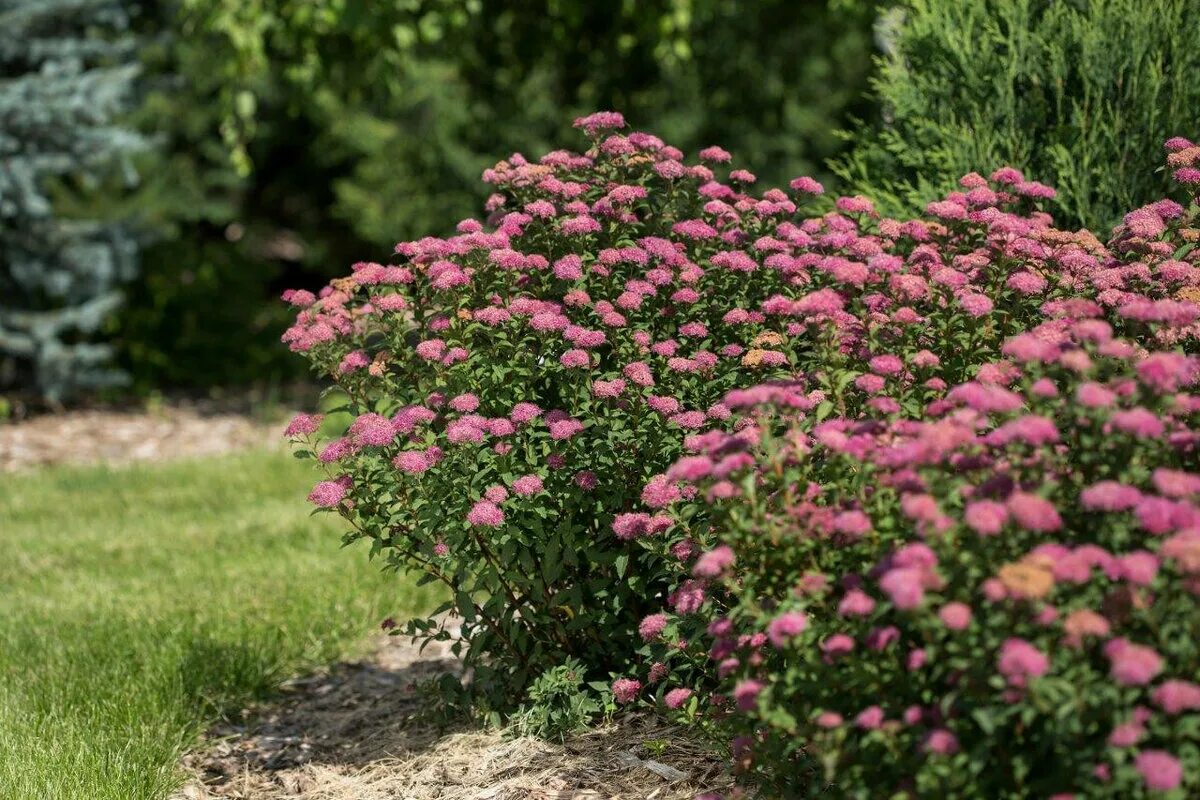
column 139, row 604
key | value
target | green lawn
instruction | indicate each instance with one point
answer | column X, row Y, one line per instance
column 138, row 604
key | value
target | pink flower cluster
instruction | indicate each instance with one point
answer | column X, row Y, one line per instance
column 514, row 385
column 1015, row 539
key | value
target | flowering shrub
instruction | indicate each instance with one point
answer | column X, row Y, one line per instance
column 984, row 589
column 514, row 386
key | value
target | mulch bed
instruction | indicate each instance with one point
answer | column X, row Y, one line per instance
column 115, row 435
column 360, row 731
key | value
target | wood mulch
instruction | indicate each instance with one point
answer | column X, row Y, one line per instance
column 361, row 731
column 120, row 435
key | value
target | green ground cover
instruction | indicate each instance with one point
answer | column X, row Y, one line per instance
column 138, row 604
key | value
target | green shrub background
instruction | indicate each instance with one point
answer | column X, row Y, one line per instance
column 293, row 137
column 303, row 135
column 1079, row 94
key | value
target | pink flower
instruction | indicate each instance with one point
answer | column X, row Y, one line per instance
column 855, row 205
column 652, row 626
column 1126, row 734
column 372, row 429
column 1109, row 496
column 837, row 646
column 1175, row 483
column 486, row 514
column 354, row 360
column 870, row 718
column 1026, row 283
column 745, row 693
column 1166, row 372
column 886, row 365
column 1138, row 567
column 1160, row 770
column 941, row 742
column 327, row 494
column 675, row 698
column 303, row 425
column 524, row 412
column 431, row 350
column 829, row 719
column 659, row 492
column 465, row 403
column 1019, row 661
column 625, row 690
column 1132, row 664
column 608, row 389
column 985, row 517
column 639, row 372
column 856, row 603
column 713, row 563
column 1176, row 696
column 461, row 430
column 881, row 638
column 527, row 485
column 786, row 627
column 632, row 525
column 301, row 298
column 575, row 358
column 600, row 120
column 976, row 305
column 1138, row 422
column 1034, row 513
column 337, row 450
column 412, row 462
column 905, row 587
column 715, row 154
column 688, row 598
column 563, row 428
column 955, row 616
column 807, row 185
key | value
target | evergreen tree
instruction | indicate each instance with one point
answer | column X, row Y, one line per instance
column 1079, row 94
column 67, row 74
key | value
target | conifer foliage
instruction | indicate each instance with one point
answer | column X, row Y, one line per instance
column 1078, row 93
column 67, row 72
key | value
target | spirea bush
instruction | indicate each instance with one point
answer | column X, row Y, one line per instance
column 515, row 386
column 995, row 596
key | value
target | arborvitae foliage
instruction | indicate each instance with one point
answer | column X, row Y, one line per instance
column 66, row 73
column 1078, row 94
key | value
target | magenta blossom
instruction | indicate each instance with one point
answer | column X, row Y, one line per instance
column 486, row 513
column 626, row 690
column 786, row 627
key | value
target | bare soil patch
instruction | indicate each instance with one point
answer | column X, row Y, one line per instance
column 359, row 732
column 117, row 435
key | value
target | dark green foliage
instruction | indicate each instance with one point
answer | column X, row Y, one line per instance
column 320, row 132
column 407, row 103
column 1077, row 94
column 67, row 74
